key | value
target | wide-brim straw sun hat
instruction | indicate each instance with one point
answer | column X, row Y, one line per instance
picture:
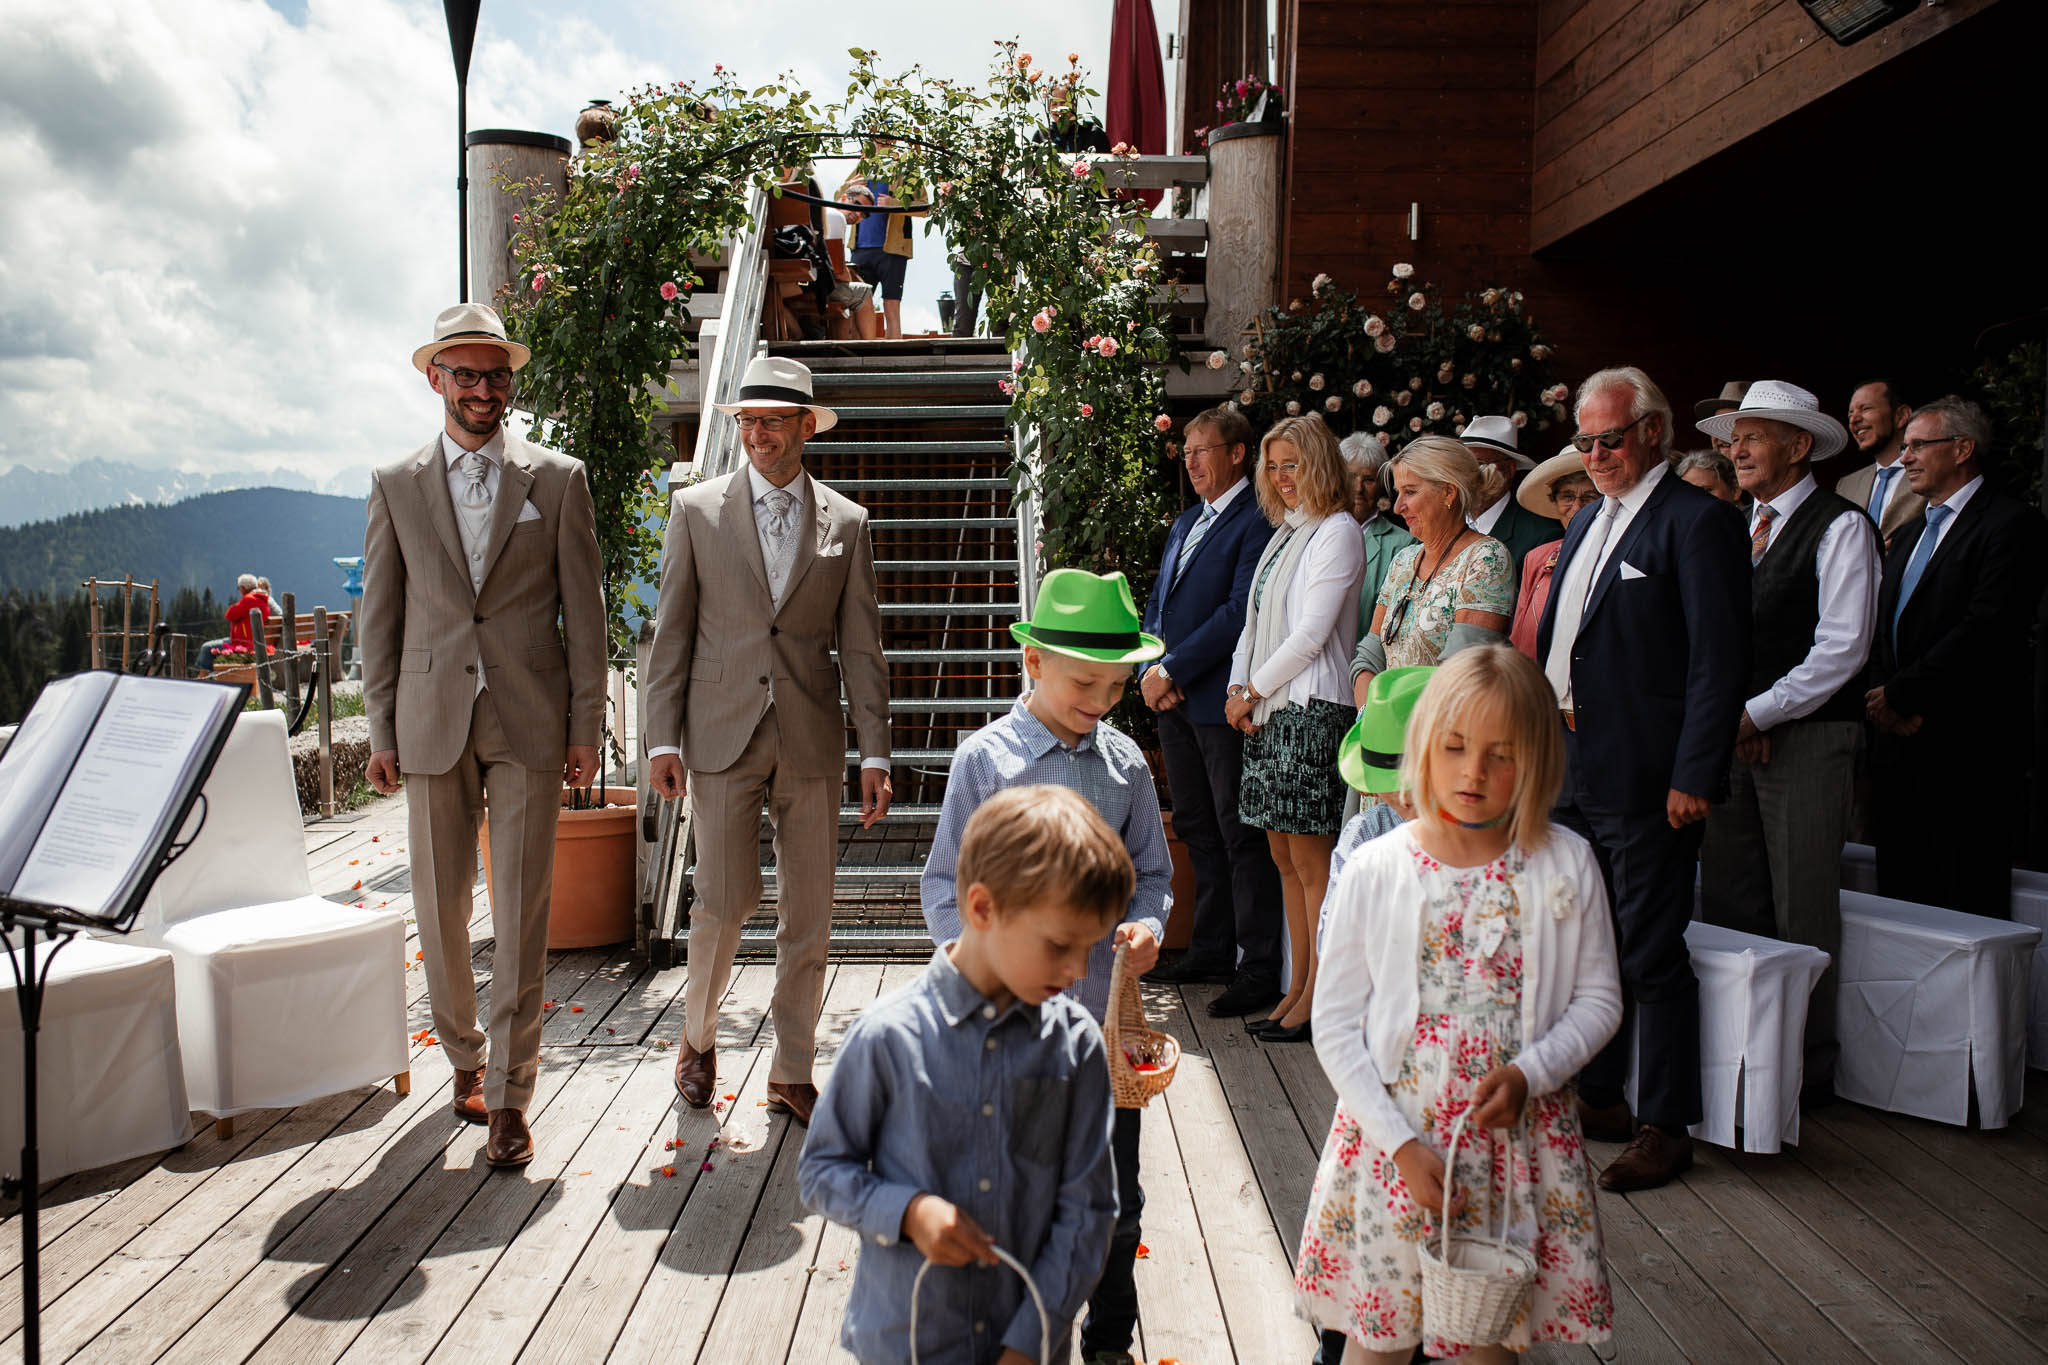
column 1088, row 616
column 773, row 381
column 1369, row 758
column 1777, row 401
column 1729, row 397
column 1497, row 433
column 470, row 324
column 1534, row 494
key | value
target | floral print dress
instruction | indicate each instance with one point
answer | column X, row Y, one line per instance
column 1358, row 1272
column 1417, row 626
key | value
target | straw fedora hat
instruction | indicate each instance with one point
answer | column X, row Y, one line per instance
column 1088, row 616
column 470, row 324
column 1782, row 402
column 1496, row 433
column 1534, row 494
column 1731, row 397
column 774, row 381
column 1369, row 757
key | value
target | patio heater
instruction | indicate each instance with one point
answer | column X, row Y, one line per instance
column 461, row 39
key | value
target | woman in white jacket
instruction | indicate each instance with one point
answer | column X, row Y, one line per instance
column 1468, row 964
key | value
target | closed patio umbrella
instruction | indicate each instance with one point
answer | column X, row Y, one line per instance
column 1137, row 83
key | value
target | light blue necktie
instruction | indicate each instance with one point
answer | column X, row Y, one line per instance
column 1195, row 534
column 1878, row 491
column 1917, row 565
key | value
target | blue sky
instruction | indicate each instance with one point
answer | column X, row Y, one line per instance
column 229, row 221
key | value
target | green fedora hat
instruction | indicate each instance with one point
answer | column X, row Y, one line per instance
column 1370, row 756
column 1088, row 616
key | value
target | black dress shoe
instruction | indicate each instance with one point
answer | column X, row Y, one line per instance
column 1192, row 972
column 1245, row 996
column 1300, row 1033
column 1257, row 1027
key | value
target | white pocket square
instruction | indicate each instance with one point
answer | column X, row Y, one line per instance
column 1629, row 571
column 528, row 512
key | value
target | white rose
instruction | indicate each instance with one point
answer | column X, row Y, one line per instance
column 1382, row 415
column 1435, row 412
column 1519, row 418
column 1404, row 398
column 1414, row 424
column 1362, row 389
column 1293, row 408
column 1383, row 343
column 1539, row 353
column 1320, row 283
column 1375, row 325
column 1476, row 332
column 1333, row 404
column 1403, row 270
column 1218, row 359
column 1417, row 301
column 1297, row 376
column 1564, row 898
column 1246, row 396
column 1415, row 382
column 1316, row 381
column 1470, row 381
column 1490, row 297
column 1516, row 364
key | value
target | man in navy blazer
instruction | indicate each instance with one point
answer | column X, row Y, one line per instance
column 1952, row 700
column 1197, row 606
column 1646, row 639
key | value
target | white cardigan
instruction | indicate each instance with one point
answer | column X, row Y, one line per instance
column 1571, row 988
column 1321, row 606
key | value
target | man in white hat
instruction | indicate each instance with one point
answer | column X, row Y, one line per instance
column 1772, row 856
column 483, row 644
column 764, row 573
column 1494, row 441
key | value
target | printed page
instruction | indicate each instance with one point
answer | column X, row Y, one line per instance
column 39, row 756
column 112, row 810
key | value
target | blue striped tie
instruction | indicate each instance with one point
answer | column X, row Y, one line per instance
column 1187, row 549
column 1917, row 565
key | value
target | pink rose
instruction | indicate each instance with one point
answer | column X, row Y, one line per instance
column 1107, row 347
column 540, row 282
column 1040, row 322
column 1087, row 409
column 669, row 290
column 1163, row 422
column 1081, row 169
column 1417, row 302
column 1023, row 60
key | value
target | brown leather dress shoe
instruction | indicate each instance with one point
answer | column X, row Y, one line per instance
column 796, row 1100
column 510, row 1143
column 1610, row 1123
column 696, row 1074
column 469, row 1096
column 1652, row 1158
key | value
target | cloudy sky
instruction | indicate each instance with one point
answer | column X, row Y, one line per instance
column 227, row 223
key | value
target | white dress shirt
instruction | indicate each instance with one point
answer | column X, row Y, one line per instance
column 1490, row 518
column 473, row 543
column 1580, row 576
column 1955, row 502
column 1321, row 606
column 1849, row 567
column 1215, row 506
column 759, row 487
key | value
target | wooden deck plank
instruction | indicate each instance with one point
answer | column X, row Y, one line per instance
column 611, row 975
column 1684, row 1305
column 1999, row 1166
column 599, row 1290
column 1637, row 1335
column 67, row 1203
column 1179, row 1312
column 632, row 1020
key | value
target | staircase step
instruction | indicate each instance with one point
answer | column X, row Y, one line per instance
column 855, row 381
column 950, row 609
column 951, row 656
column 954, row 706
column 1154, row 172
column 940, row 523
column 910, row 447
column 1178, row 234
column 990, row 482
column 907, row 938
column 903, row 812
column 965, row 566
column 905, row 758
column 926, row 412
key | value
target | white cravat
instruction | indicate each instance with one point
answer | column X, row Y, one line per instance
column 1573, row 594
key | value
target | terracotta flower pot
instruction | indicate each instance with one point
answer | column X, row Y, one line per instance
column 1180, row 919
column 594, row 899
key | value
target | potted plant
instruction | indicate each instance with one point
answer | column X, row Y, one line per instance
column 1246, row 107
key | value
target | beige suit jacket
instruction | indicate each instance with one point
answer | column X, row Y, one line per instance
column 719, row 637
column 538, row 623
column 1904, row 505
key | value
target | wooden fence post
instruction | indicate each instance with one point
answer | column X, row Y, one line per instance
column 95, row 650
column 323, row 688
column 288, row 648
column 127, row 618
column 259, row 658
column 156, row 613
column 177, row 645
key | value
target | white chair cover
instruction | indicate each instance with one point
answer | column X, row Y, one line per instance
column 1931, row 1000
column 283, row 996
column 110, row 1084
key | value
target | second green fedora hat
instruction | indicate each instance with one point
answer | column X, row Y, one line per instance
column 1088, row 616
column 1370, row 756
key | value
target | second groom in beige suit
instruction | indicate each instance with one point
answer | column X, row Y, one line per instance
column 764, row 573
column 483, row 643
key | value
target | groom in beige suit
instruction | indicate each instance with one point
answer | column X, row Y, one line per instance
column 764, row 573
column 483, row 648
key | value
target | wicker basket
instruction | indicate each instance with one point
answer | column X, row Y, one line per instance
column 1133, row 1045
column 1474, row 1289
column 1044, row 1323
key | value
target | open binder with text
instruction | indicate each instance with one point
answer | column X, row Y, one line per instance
column 95, row 787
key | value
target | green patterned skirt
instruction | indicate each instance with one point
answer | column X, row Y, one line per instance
column 1291, row 784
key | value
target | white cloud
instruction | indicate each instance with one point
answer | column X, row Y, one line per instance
column 227, row 226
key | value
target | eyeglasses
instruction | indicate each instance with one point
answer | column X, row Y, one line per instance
column 1204, row 450
column 772, row 425
column 1607, row 440
column 1280, row 469
column 1915, row 447
column 464, row 378
column 1574, row 498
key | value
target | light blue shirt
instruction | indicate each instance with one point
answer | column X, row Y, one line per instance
column 1108, row 768
column 1004, row 1113
column 1360, row 830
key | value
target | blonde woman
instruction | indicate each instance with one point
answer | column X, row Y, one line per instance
column 1288, row 689
column 1455, row 587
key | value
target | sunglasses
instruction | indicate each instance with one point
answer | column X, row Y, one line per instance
column 1607, row 440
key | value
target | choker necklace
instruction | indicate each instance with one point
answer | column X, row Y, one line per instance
column 1495, row 823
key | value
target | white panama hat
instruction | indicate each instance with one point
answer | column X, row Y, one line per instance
column 1781, row 402
column 1497, row 433
column 774, row 381
column 470, row 324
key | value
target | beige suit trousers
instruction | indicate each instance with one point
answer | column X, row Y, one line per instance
column 726, row 814
column 442, row 811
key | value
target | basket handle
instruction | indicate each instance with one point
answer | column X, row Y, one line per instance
column 1044, row 1323
column 1450, row 1182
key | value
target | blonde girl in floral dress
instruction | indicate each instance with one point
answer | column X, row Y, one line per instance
column 1468, row 964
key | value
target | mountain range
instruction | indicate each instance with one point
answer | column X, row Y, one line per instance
column 31, row 495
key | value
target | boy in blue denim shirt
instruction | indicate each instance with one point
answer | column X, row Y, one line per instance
column 1079, row 647
column 972, row 1108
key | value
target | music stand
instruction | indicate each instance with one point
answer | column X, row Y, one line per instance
column 57, row 924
